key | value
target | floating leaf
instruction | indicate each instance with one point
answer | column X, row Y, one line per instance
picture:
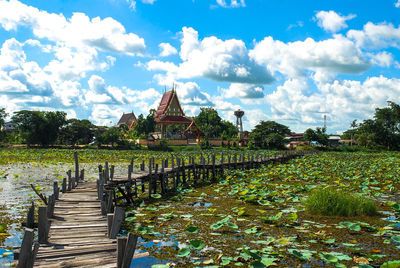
column 156, row 196
column 192, row 229
column 197, row 244
column 183, row 252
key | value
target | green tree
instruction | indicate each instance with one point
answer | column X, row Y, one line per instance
column 78, row 132
column 112, row 136
column 39, row 127
column 3, row 116
column 383, row 130
column 319, row 135
column 144, row 126
column 270, row 135
column 213, row 126
column 229, row 130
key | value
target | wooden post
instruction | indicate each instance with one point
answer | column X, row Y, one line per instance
column 82, row 176
column 76, row 166
column 129, row 250
column 110, row 217
column 112, row 172
column 213, row 178
column 203, row 162
column 107, row 173
column 130, row 168
column 162, row 178
column 155, row 179
column 194, row 171
column 184, row 172
column 43, row 225
column 100, row 172
column 25, row 255
column 56, row 190
column 119, row 215
column 222, row 163
column 30, row 218
column 69, row 180
column 109, row 201
column 121, row 244
column 50, row 206
column 132, row 161
column 150, row 179
column 64, row 185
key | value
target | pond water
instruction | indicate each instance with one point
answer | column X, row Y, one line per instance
column 16, row 196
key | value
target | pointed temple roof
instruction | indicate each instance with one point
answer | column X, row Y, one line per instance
column 170, row 110
column 127, row 119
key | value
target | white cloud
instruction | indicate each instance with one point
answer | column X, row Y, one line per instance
column 105, row 115
column 397, row 4
column 167, row 50
column 77, row 31
column 383, row 59
column 337, row 55
column 148, row 1
column 341, row 101
column 376, row 36
column 233, row 4
column 331, row 21
column 245, row 91
column 190, row 94
column 212, row 58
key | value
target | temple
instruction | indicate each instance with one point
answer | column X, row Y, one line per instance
column 170, row 114
column 127, row 119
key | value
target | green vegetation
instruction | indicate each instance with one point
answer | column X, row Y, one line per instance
column 381, row 131
column 332, row 202
column 213, row 126
column 37, row 127
column 258, row 218
column 269, row 135
column 319, row 135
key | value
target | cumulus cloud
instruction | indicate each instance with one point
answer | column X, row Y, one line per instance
column 376, row 36
column 189, row 93
column 167, row 50
column 331, row 21
column 105, row 115
column 79, row 30
column 342, row 101
column 211, row 58
column 233, row 3
column 338, row 55
column 245, row 91
column 397, row 4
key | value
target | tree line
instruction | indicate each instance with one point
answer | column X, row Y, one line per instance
column 52, row 127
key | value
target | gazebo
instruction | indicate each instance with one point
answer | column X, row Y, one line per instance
column 170, row 113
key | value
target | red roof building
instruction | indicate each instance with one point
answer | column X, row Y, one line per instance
column 170, row 113
column 128, row 119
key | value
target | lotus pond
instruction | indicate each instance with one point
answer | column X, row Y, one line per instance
column 41, row 167
column 257, row 218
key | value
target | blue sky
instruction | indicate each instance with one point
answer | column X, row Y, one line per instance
column 288, row 61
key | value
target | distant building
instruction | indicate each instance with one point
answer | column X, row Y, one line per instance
column 334, row 141
column 9, row 126
column 295, row 139
column 127, row 119
column 170, row 113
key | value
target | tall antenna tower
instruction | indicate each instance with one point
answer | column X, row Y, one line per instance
column 239, row 124
column 324, row 121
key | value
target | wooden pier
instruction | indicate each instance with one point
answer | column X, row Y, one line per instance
column 78, row 232
column 79, row 226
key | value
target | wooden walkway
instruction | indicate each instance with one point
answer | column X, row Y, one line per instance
column 79, row 227
column 78, row 232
